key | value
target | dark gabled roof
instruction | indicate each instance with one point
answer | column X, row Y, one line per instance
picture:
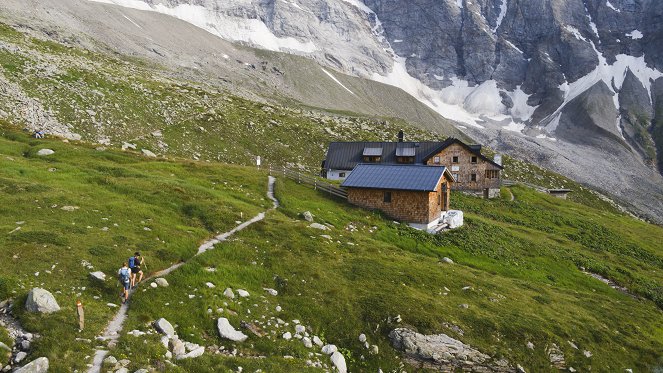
column 346, row 155
column 474, row 149
column 396, row 177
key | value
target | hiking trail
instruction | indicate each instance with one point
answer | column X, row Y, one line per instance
column 114, row 327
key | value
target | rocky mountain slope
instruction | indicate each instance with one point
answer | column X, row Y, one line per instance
column 573, row 85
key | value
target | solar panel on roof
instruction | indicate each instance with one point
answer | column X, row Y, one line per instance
column 372, row 152
column 405, row 152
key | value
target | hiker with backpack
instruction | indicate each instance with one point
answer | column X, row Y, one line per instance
column 135, row 262
column 124, row 275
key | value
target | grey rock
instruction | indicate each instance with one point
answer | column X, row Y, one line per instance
column 338, row 361
column 41, row 301
column 20, row 356
column 442, row 350
column 122, row 370
column 271, row 291
column 229, row 293
column 319, row 226
column 110, row 360
column 160, row 281
column 142, row 371
column 329, row 349
column 362, row 337
column 287, row 336
column 307, row 342
column 317, row 340
column 177, row 347
column 98, row 275
column 148, row 153
column 375, row 350
column 193, row 354
column 24, row 345
column 44, row 152
column 447, row 260
column 39, row 365
column 4, row 347
column 164, row 327
column 307, row 216
column 242, row 293
column 228, row 331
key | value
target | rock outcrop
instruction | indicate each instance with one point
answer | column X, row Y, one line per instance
column 440, row 351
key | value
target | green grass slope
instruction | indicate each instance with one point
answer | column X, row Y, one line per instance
column 521, row 260
column 122, row 203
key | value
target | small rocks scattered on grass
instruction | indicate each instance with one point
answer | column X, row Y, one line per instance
column 210, row 285
column 242, row 293
column 148, row 153
column 161, row 282
column 69, row 208
column 178, row 348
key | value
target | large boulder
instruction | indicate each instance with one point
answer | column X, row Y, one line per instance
column 41, row 301
column 227, row 331
column 39, row 365
column 163, row 326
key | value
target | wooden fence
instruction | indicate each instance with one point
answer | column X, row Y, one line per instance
column 303, row 178
column 539, row 188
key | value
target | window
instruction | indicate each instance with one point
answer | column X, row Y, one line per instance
column 473, row 177
column 492, row 174
column 474, row 159
column 456, row 177
column 405, row 159
column 439, row 198
column 454, row 159
column 341, row 174
column 387, row 197
column 436, row 160
column 372, row 159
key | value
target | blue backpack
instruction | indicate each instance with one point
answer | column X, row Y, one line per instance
column 124, row 275
column 132, row 262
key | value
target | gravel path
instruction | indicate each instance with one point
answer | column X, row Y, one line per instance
column 112, row 332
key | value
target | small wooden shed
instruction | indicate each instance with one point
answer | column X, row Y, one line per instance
column 415, row 194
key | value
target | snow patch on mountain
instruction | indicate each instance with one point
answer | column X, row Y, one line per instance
column 575, row 32
column 635, row 35
column 609, row 5
column 500, row 17
column 612, row 75
column 337, row 81
column 251, row 31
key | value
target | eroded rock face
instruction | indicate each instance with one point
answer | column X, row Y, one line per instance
column 440, row 351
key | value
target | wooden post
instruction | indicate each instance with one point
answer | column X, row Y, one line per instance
column 81, row 315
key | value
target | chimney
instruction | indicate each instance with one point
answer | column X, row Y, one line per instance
column 400, row 136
